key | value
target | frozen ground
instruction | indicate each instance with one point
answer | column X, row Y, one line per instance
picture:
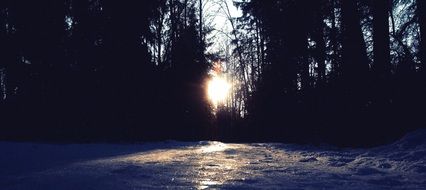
column 203, row 165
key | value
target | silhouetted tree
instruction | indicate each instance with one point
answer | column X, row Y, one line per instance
column 421, row 7
column 381, row 38
column 354, row 58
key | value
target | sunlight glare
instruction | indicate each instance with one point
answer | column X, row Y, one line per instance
column 218, row 90
column 214, row 147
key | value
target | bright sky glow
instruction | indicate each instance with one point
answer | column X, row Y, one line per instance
column 217, row 15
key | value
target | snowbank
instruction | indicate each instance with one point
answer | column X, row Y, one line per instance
column 201, row 165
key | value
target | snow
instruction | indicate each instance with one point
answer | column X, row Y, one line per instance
column 206, row 165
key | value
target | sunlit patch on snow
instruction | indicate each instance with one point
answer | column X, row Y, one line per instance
column 217, row 167
column 214, row 147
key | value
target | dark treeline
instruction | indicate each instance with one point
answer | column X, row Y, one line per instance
column 349, row 72
column 102, row 70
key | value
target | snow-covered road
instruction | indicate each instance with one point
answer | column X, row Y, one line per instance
column 205, row 165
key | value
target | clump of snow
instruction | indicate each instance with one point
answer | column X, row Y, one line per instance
column 202, row 165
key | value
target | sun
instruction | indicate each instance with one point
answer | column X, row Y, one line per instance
column 218, row 90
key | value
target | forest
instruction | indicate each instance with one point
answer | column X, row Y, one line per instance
column 345, row 72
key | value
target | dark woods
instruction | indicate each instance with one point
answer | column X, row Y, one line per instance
column 349, row 72
column 102, row 70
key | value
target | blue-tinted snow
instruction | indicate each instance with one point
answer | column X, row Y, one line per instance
column 205, row 165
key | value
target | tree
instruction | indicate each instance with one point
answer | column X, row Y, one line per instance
column 421, row 7
column 354, row 58
column 381, row 38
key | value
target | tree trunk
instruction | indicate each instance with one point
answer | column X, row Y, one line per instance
column 81, row 41
column 201, row 21
column 185, row 15
column 421, row 9
column 319, row 39
column 381, row 38
column 354, row 56
column 159, row 39
column 3, row 34
column 333, row 40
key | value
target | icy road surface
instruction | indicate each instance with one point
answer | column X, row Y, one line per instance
column 206, row 165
